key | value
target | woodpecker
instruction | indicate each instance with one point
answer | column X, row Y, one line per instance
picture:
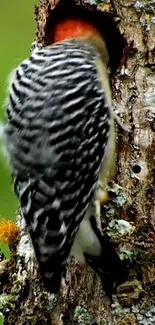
column 60, row 140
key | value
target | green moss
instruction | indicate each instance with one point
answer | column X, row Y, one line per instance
column 83, row 316
column 9, row 301
column 51, row 301
column 120, row 228
column 127, row 254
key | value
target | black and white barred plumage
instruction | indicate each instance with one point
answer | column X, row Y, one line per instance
column 57, row 137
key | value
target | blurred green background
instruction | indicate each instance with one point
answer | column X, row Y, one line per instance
column 17, row 32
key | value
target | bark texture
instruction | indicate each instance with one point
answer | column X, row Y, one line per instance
column 81, row 299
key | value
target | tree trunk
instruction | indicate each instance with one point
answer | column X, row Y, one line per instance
column 81, row 300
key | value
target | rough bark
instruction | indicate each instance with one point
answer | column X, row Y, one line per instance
column 81, row 299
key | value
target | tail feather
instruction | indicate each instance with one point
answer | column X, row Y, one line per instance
column 108, row 265
column 52, row 282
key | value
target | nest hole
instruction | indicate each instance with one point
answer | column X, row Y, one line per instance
column 103, row 21
column 136, row 169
